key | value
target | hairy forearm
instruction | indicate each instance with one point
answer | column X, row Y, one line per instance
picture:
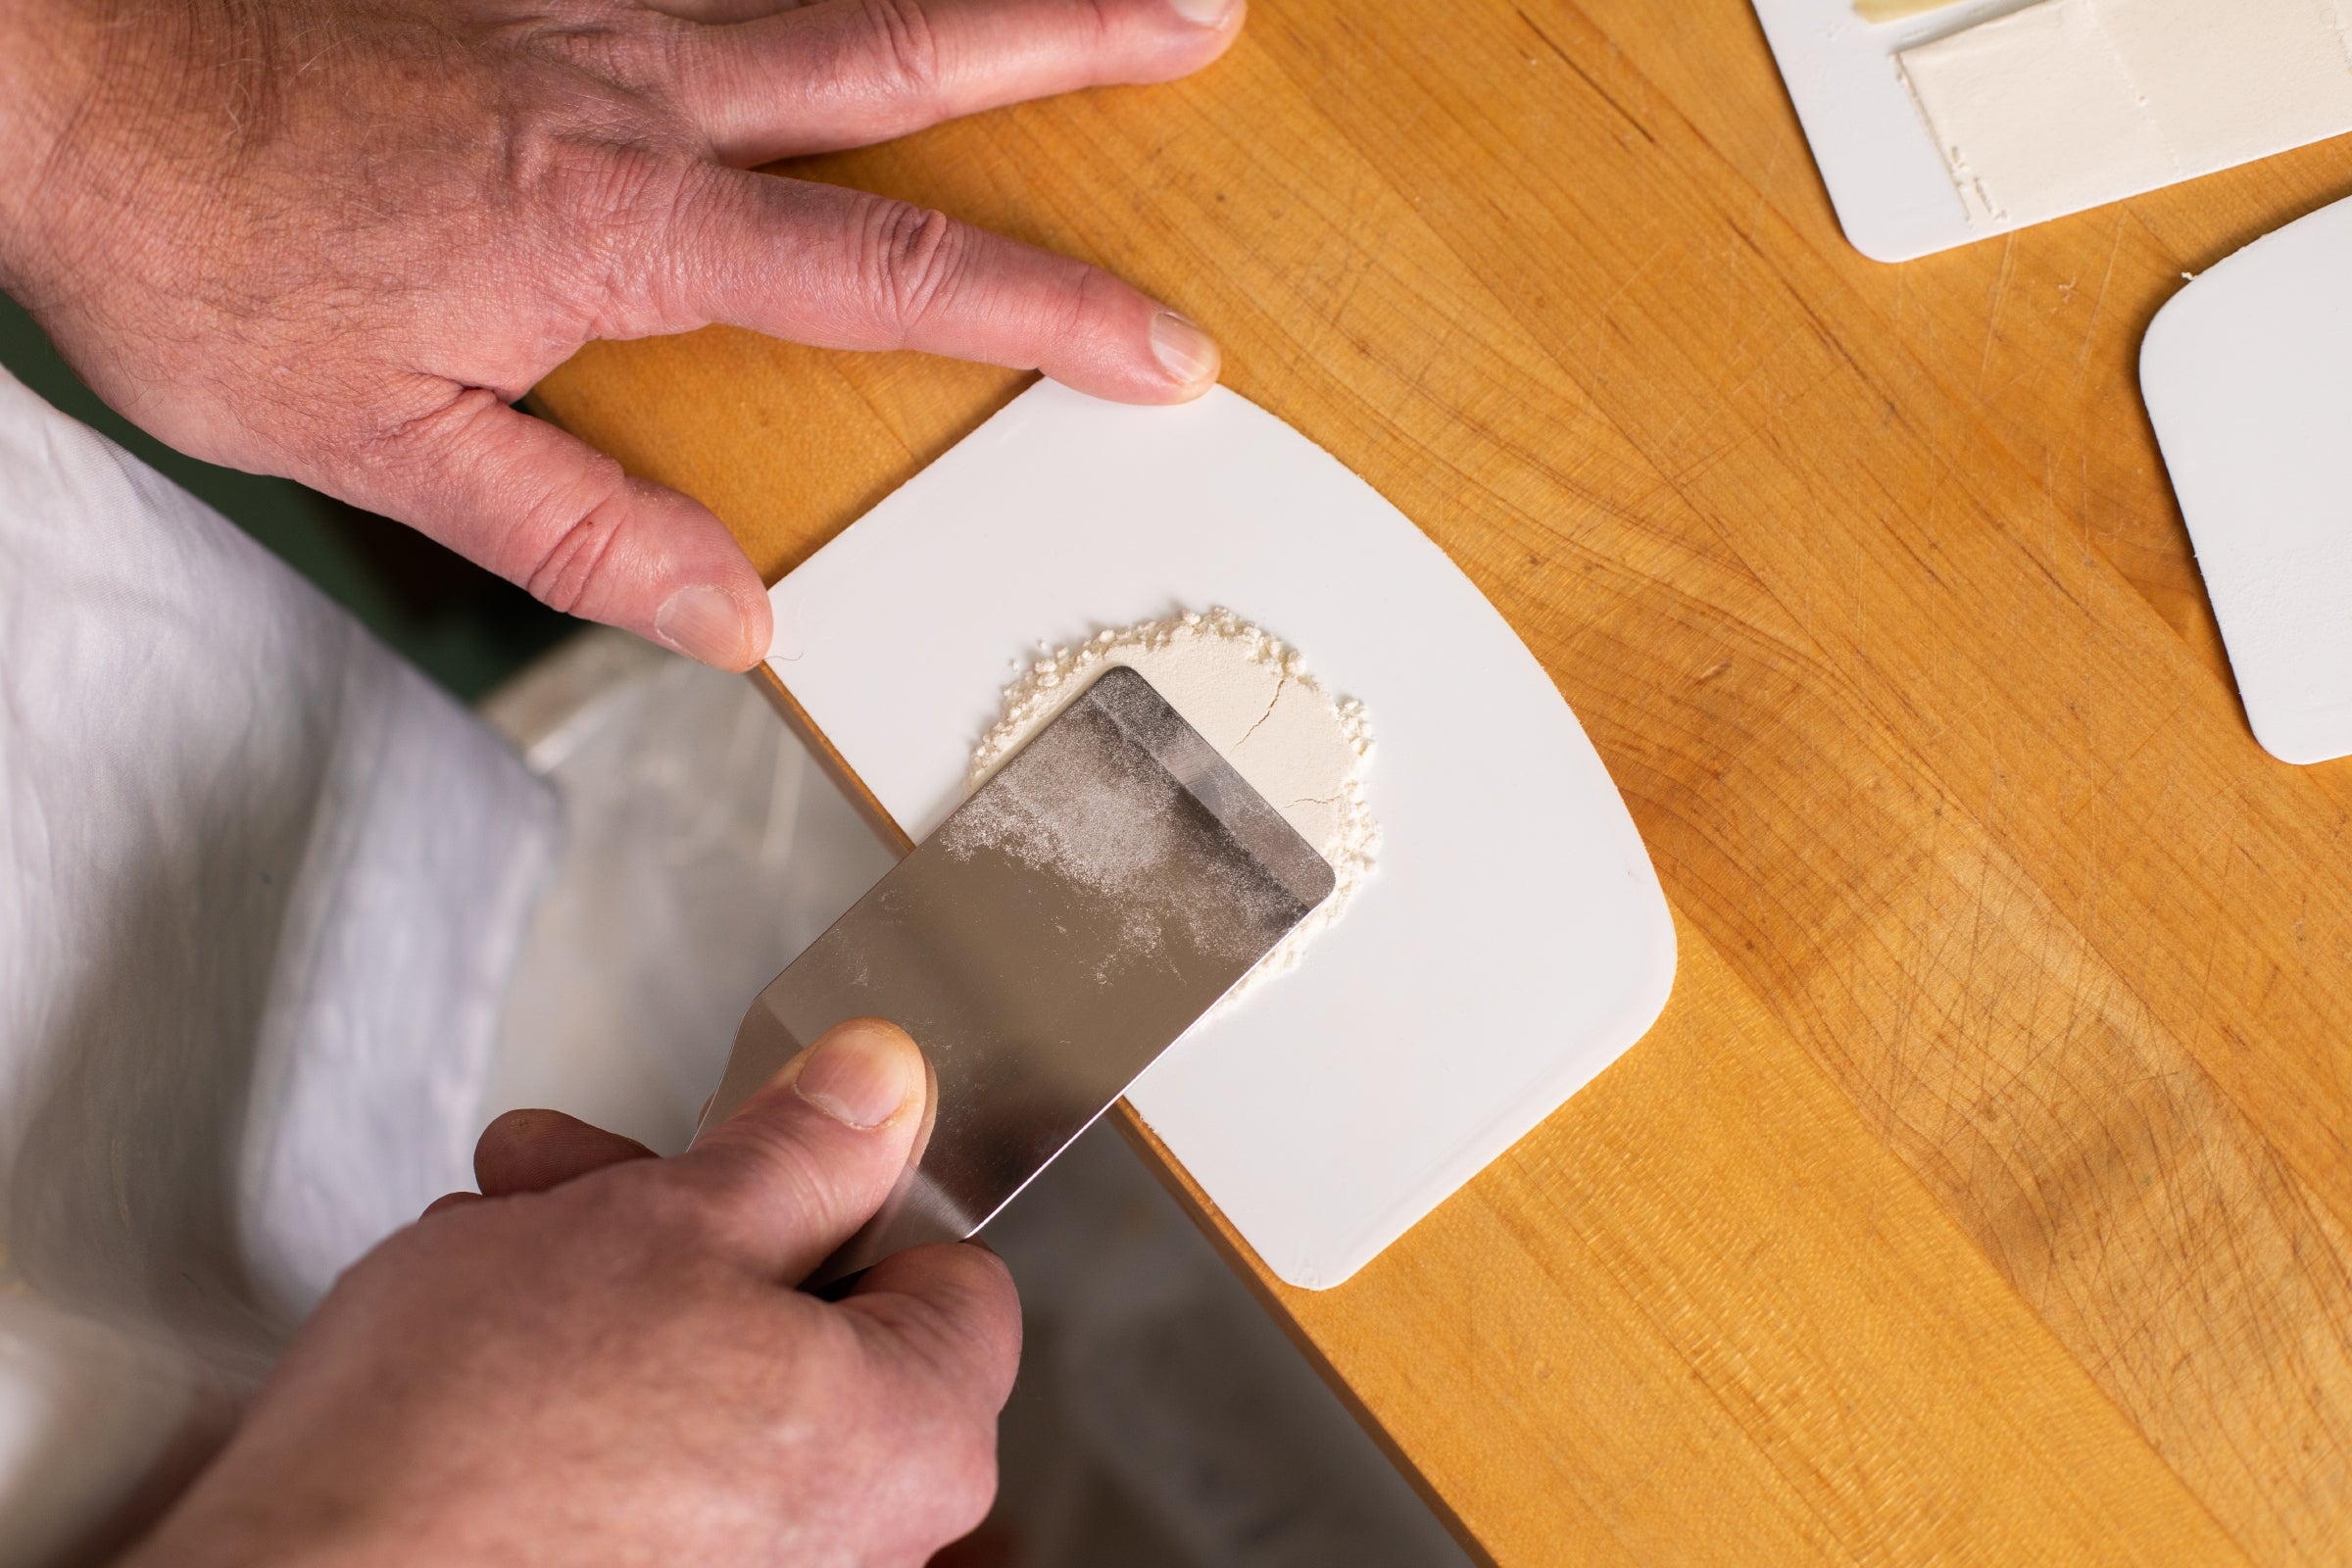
column 96, row 96
column 47, row 61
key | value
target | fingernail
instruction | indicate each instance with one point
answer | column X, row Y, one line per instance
column 859, row 1073
column 705, row 623
column 1203, row 13
column 1183, row 350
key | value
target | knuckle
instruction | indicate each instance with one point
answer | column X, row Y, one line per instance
column 621, row 206
column 683, row 1224
column 935, row 1335
column 632, row 47
column 588, row 159
column 735, row 1187
column 1092, row 299
column 580, row 172
column 1101, row 20
column 905, row 46
column 553, row 537
column 668, row 1204
column 912, row 259
column 580, row 522
column 425, row 437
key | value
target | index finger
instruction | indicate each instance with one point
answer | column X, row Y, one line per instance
column 850, row 73
column 843, row 268
column 954, row 1309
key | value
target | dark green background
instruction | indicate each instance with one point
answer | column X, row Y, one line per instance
column 467, row 629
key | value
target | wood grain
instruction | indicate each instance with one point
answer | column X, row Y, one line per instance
column 1755, row 1340
column 1985, row 1193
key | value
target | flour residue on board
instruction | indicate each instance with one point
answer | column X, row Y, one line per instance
column 1303, row 748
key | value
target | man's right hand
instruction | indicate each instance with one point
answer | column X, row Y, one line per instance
column 602, row 1360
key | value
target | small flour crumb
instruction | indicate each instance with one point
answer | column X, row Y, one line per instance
column 1251, row 696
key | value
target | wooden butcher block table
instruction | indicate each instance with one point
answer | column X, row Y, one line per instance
column 1985, row 1193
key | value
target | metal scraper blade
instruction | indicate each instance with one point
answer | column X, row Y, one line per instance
column 1061, row 929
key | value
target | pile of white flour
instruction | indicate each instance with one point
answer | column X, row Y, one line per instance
column 1301, row 747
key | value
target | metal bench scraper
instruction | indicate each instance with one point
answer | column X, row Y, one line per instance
column 1060, row 930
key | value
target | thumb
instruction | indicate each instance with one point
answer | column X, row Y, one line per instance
column 811, row 1156
column 552, row 515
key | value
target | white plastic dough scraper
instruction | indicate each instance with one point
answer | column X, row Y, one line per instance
column 1055, row 935
column 2248, row 377
column 1511, row 941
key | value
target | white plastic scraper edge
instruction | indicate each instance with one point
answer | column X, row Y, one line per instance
column 2248, row 378
column 1513, row 940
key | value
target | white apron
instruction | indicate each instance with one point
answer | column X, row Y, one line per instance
column 261, row 888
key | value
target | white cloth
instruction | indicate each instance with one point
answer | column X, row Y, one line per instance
column 261, row 888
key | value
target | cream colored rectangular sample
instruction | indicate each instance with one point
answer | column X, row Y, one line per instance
column 2071, row 103
column 1896, row 10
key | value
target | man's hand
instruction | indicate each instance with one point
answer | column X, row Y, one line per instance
column 601, row 1360
column 334, row 239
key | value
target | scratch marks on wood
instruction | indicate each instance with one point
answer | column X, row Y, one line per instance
column 2087, row 1152
column 1992, row 314
column 2090, row 326
column 1586, row 77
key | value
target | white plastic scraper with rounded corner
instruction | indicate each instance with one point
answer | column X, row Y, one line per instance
column 1513, row 940
column 2247, row 373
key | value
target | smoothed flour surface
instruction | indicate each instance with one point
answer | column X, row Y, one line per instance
column 1250, row 695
